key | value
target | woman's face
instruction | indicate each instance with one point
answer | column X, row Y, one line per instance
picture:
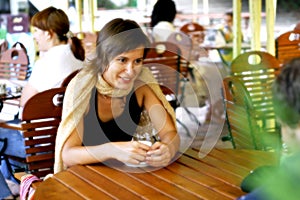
column 124, row 69
column 42, row 39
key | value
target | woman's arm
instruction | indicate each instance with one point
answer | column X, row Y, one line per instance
column 162, row 152
column 74, row 153
column 27, row 92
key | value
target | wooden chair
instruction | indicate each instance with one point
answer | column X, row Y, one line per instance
column 184, row 42
column 41, row 117
column 197, row 34
column 257, row 70
column 193, row 28
column 238, row 107
column 14, row 63
column 164, row 61
column 63, row 84
column 67, row 80
column 287, row 46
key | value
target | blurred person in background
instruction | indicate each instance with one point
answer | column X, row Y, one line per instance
column 162, row 17
column 226, row 31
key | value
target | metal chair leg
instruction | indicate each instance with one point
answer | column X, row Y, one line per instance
column 192, row 116
column 185, row 127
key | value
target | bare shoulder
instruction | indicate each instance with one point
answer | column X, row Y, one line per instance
column 144, row 92
column 143, row 89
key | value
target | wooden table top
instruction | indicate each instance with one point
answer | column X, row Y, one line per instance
column 216, row 176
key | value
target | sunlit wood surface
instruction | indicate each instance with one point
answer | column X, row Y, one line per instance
column 216, row 176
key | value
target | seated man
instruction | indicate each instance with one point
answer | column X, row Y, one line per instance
column 283, row 183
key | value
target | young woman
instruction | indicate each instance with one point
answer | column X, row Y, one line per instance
column 60, row 52
column 104, row 102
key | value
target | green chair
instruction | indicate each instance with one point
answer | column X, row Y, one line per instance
column 238, row 112
column 254, row 73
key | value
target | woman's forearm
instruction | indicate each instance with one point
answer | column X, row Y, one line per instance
column 86, row 154
column 172, row 140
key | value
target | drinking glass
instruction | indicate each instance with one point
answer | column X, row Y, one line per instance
column 145, row 133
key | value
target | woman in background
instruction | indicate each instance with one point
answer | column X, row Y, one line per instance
column 162, row 17
column 61, row 52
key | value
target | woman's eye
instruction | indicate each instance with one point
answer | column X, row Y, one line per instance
column 122, row 60
column 138, row 61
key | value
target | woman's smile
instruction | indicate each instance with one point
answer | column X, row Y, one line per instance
column 124, row 68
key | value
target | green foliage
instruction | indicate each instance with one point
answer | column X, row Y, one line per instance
column 287, row 5
column 110, row 5
column 106, row 4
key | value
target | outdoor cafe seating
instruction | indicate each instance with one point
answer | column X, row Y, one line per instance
column 38, row 125
column 249, row 109
column 216, row 174
column 164, row 61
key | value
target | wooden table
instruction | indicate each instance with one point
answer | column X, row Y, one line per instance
column 216, row 176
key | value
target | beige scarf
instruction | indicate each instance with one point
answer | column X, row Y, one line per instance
column 77, row 98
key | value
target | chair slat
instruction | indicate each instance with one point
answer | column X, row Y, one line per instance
column 38, row 149
column 40, row 157
column 49, row 131
column 39, row 141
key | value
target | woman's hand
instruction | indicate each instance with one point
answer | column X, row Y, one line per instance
column 132, row 152
column 159, row 155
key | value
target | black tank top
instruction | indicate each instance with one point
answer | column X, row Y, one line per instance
column 119, row 129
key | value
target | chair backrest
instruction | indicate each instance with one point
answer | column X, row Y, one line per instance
column 163, row 59
column 184, row 42
column 287, row 46
column 67, row 80
column 14, row 63
column 191, row 27
column 40, row 120
column 257, row 71
column 238, row 108
column 195, row 31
